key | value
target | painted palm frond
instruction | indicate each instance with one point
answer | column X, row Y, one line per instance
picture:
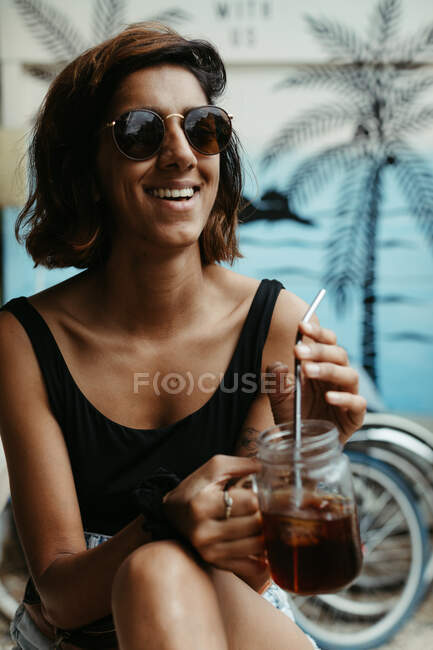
column 108, row 18
column 414, row 120
column 347, row 78
column 43, row 71
column 415, row 178
column 383, row 25
column 345, row 249
column 172, row 16
column 314, row 173
column 312, row 124
column 55, row 32
column 52, row 28
column 337, row 39
column 402, row 98
column 421, row 44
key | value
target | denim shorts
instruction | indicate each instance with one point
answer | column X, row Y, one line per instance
column 27, row 635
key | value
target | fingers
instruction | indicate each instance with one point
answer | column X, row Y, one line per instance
column 210, row 504
column 342, row 376
column 355, row 403
column 326, row 361
column 238, row 536
column 239, row 527
column 220, row 532
column 247, row 567
column 245, row 502
column 229, row 550
column 220, row 468
column 321, row 352
column 318, row 333
column 211, row 525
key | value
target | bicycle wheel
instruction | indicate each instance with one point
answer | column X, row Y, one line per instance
column 417, row 481
column 384, row 433
column 411, row 446
column 394, row 539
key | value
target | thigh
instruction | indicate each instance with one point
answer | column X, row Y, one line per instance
column 251, row 622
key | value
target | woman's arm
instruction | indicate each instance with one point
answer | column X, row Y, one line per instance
column 330, row 394
column 74, row 584
column 329, row 384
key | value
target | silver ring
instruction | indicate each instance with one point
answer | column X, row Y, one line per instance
column 228, row 503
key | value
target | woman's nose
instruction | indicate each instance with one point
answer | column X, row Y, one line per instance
column 175, row 148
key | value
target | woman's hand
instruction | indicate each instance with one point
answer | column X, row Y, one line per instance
column 329, row 384
column 196, row 507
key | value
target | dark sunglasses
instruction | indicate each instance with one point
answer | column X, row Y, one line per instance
column 138, row 134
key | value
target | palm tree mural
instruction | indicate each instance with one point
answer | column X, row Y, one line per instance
column 58, row 35
column 380, row 79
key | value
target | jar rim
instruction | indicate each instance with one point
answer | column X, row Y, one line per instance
column 277, row 444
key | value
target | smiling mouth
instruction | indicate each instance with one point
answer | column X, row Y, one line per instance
column 184, row 194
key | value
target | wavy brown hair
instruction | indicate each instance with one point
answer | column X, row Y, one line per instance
column 63, row 222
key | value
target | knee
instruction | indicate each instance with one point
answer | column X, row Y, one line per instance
column 153, row 568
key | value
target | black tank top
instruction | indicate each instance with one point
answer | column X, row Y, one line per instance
column 109, row 460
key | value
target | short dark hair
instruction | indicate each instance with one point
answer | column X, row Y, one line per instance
column 63, row 222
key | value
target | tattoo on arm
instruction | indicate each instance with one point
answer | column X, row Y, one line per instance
column 247, row 444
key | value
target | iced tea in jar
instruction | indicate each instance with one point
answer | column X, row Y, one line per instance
column 308, row 507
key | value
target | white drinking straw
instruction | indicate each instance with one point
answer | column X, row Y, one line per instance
column 310, row 311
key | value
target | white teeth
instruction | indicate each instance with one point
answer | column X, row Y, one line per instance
column 165, row 193
column 187, row 191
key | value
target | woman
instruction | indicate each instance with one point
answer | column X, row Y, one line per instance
column 124, row 375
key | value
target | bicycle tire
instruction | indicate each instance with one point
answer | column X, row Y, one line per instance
column 409, row 439
column 382, row 433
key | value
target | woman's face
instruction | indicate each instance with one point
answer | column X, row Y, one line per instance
column 128, row 186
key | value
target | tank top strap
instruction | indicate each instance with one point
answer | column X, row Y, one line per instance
column 46, row 350
column 248, row 354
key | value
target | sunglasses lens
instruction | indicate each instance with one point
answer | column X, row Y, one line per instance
column 139, row 134
column 208, row 129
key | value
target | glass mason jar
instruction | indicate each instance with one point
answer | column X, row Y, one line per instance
column 309, row 512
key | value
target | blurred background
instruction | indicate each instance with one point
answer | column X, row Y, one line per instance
column 333, row 103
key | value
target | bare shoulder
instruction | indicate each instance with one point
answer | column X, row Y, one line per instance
column 20, row 375
column 13, row 338
column 288, row 312
column 15, row 351
column 15, row 344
